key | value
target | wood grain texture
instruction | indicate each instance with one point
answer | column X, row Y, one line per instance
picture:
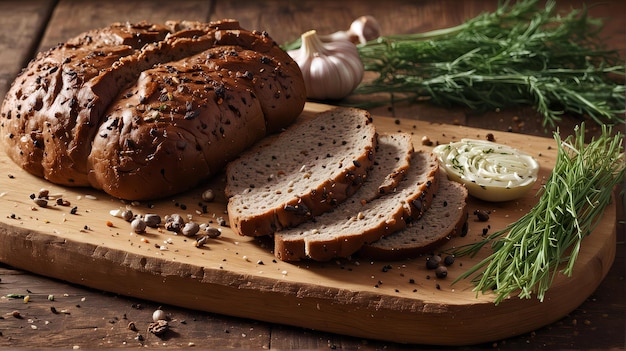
column 99, row 320
column 232, row 275
column 72, row 17
column 20, row 28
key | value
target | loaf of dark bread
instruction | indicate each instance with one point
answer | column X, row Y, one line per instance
column 148, row 110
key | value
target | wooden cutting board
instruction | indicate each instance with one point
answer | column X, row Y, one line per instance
column 393, row 301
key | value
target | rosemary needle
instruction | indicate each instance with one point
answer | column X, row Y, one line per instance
column 530, row 252
column 520, row 54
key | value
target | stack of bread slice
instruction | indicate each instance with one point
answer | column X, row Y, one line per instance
column 332, row 187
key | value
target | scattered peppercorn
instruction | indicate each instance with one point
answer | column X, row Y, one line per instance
column 482, row 215
column 441, row 272
column 432, row 262
column 448, row 260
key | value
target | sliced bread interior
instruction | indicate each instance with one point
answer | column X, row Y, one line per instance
column 397, row 153
column 354, row 223
column 306, row 171
column 446, row 217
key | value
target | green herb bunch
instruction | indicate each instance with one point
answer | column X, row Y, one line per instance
column 530, row 252
column 520, row 54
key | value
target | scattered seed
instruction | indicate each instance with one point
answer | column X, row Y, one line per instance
column 152, row 220
column 138, row 225
column 41, row 202
column 43, row 193
column 208, row 195
column 190, row 229
column 201, row 241
column 212, row 232
column 159, row 327
column 426, row 141
column 174, row 223
column 62, row 202
column 158, row 315
column 127, row 215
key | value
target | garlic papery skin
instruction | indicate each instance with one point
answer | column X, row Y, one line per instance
column 362, row 30
column 331, row 70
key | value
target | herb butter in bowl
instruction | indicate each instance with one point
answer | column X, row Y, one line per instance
column 490, row 171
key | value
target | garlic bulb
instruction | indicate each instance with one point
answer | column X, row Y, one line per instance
column 362, row 30
column 331, row 70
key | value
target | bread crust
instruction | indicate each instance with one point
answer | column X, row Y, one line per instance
column 317, row 242
column 144, row 110
column 422, row 236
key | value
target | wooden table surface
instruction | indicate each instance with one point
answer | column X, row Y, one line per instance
column 88, row 319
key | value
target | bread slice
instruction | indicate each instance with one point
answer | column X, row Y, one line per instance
column 355, row 223
column 306, row 171
column 446, row 217
column 393, row 154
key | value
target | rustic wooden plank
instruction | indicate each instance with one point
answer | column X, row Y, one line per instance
column 20, row 28
column 90, row 14
column 233, row 274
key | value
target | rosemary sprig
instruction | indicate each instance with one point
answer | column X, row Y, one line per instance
column 530, row 252
column 520, row 54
